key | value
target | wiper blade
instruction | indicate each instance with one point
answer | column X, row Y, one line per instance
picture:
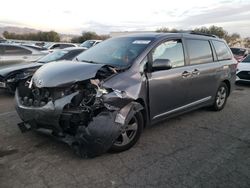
column 89, row 61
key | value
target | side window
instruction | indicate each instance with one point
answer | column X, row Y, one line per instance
column 1, row 50
column 199, row 51
column 222, row 50
column 70, row 55
column 172, row 50
column 66, row 45
column 55, row 46
column 15, row 50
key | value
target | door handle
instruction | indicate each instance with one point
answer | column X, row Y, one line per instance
column 25, row 57
column 186, row 74
column 196, row 72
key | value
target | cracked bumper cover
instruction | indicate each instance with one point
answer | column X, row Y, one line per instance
column 91, row 140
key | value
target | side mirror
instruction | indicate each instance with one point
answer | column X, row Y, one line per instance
column 161, row 64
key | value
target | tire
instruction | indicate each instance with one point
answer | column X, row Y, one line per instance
column 120, row 144
column 220, row 97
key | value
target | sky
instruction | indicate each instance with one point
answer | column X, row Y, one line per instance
column 104, row 16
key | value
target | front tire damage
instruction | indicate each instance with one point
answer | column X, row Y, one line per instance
column 103, row 132
column 130, row 135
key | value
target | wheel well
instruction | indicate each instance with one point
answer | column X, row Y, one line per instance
column 144, row 111
column 228, row 86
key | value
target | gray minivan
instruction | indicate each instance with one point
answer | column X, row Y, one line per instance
column 104, row 100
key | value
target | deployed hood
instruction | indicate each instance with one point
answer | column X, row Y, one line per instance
column 6, row 70
column 58, row 74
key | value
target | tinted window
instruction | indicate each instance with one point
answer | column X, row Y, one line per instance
column 55, row 46
column 199, row 51
column 238, row 51
column 172, row 50
column 66, row 45
column 54, row 56
column 222, row 51
column 15, row 50
column 1, row 49
column 72, row 54
column 247, row 59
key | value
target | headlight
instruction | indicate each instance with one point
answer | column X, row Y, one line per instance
column 11, row 80
column 120, row 94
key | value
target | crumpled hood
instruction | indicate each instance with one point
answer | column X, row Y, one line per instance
column 6, row 70
column 60, row 73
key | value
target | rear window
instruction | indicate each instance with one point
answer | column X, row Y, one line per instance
column 199, row 51
column 238, row 51
column 222, row 51
column 247, row 59
column 66, row 45
column 1, row 50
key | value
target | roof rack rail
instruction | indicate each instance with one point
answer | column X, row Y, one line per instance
column 204, row 34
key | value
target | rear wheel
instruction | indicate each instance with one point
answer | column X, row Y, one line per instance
column 129, row 135
column 221, row 97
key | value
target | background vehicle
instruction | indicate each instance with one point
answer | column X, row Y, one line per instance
column 52, row 46
column 239, row 53
column 243, row 70
column 90, row 43
column 15, row 54
column 103, row 101
column 11, row 76
column 33, row 46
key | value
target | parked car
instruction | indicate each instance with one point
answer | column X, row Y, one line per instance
column 12, row 75
column 103, row 101
column 239, row 53
column 243, row 70
column 33, row 46
column 16, row 54
column 90, row 43
column 52, row 46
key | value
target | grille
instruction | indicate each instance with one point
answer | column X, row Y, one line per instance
column 244, row 75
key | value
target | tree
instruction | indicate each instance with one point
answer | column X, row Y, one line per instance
column 89, row 36
column 247, row 42
column 167, row 30
column 213, row 30
column 40, row 36
column 233, row 39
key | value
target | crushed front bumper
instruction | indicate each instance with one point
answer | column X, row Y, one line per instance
column 48, row 114
column 89, row 141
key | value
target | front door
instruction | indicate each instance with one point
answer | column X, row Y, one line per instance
column 168, row 88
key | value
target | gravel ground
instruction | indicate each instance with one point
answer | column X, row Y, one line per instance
column 198, row 149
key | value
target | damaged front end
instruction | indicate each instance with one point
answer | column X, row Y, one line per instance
column 83, row 114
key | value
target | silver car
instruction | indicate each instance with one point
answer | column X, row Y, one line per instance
column 15, row 53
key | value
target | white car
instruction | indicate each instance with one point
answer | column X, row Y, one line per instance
column 243, row 70
column 89, row 43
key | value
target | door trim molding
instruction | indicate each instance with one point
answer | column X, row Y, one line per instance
column 183, row 107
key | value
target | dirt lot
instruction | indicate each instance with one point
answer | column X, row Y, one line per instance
column 198, row 149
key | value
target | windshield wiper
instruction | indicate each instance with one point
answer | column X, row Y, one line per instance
column 89, row 61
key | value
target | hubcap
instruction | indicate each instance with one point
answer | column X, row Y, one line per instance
column 128, row 133
column 221, row 97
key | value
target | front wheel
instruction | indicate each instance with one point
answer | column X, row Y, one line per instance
column 221, row 97
column 129, row 135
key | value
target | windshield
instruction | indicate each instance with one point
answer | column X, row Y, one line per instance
column 54, row 56
column 47, row 45
column 246, row 60
column 88, row 44
column 238, row 51
column 119, row 52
